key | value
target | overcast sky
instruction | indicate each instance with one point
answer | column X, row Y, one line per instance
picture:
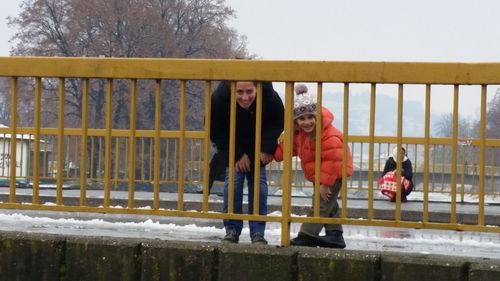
column 384, row 30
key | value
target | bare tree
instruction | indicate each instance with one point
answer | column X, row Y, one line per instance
column 126, row 28
column 444, row 127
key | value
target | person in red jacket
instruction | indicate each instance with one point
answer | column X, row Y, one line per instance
column 330, row 172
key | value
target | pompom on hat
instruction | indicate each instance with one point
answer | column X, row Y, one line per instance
column 304, row 103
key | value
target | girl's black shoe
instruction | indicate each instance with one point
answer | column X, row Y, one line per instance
column 303, row 240
column 332, row 239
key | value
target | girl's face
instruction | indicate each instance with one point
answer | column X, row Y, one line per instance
column 306, row 122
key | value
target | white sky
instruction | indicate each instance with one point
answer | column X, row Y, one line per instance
column 385, row 30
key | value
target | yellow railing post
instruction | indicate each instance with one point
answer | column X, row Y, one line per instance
column 13, row 143
column 60, row 142
column 83, row 159
column 157, row 147
column 287, row 166
column 107, row 157
column 258, row 134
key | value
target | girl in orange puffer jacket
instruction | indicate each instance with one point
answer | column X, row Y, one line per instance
column 330, row 172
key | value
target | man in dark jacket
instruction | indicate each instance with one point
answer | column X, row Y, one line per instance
column 272, row 126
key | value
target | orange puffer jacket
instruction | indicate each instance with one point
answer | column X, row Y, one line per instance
column 331, row 152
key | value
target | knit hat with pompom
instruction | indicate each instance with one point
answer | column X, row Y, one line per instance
column 304, row 103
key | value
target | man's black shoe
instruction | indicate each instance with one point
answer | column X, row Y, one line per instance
column 230, row 238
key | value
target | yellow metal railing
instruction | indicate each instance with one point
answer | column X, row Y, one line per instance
column 110, row 158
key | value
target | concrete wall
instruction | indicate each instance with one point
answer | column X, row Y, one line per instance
column 25, row 256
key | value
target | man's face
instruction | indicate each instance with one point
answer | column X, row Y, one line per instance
column 245, row 93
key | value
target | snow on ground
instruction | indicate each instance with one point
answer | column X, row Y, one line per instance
column 472, row 244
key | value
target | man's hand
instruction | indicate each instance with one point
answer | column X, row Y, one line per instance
column 324, row 192
column 266, row 158
column 243, row 165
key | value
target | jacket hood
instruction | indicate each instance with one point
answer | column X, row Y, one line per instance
column 327, row 117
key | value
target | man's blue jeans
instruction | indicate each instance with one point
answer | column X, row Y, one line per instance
column 239, row 179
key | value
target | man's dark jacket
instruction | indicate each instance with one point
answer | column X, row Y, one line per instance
column 272, row 123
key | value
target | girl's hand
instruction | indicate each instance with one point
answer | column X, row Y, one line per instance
column 325, row 192
column 266, row 158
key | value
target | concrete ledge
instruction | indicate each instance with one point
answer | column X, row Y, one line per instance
column 99, row 258
column 171, row 260
column 334, row 264
column 247, row 262
column 484, row 269
column 27, row 256
column 410, row 267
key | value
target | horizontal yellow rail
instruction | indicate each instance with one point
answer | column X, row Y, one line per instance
column 191, row 69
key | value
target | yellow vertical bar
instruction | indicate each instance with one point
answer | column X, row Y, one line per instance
column 21, row 158
column 60, row 142
column 37, row 122
column 360, row 178
column 182, row 147
column 143, row 159
column 156, row 187
column 443, row 148
column 191, row 159
column 206, row 148
column 99, row 158
column 373, row 92
column 287, row 166
column 13, row 143
column 176, row 152
column 492, row 172
column 167, row 145
column 353, row 153
column 107, row 156
column 425, row 215
column 258, row 134
column 76, row 153
column 117, row 161
column 378, row 162
column 398, row 156
column 434, row 167
column 4, row 139
column 67, row 155
column 317, row 156
column 132, row 141
column 83, row 159
column 454, row 153
column 199, row 161
column 44, row 159
column 92, row 151
column 462, row 177
column 474, row 168
column 232, row 145
column 151, row 160
column 482, row 157
column 345, row 149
